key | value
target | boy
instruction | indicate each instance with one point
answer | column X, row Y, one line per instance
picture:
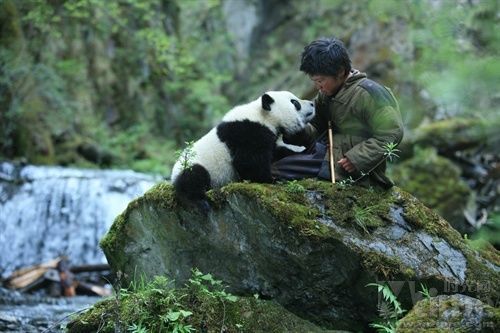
column 364, row 115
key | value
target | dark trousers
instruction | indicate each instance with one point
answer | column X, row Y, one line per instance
column 309, row 164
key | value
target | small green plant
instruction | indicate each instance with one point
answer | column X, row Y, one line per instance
column 362, row 216
column 391, row 151
column 345, row 183
column 174, row 320
column 137, row 328
column 293, row 187
column 186, row 156
column 207, row 285
column 390, row 309
column 366, row 217
column 143, row 303
column 424, row 291
column 157, row 306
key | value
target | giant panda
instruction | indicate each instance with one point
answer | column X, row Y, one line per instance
column 241, row 146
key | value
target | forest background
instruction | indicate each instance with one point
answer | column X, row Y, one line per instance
column 124, row 84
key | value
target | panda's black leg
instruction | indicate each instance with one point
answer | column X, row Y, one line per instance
column 255, row 169
column 191, row 186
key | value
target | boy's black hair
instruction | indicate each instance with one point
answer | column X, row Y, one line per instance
column 325, row 56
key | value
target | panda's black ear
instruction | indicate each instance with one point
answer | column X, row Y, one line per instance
column 266, row 102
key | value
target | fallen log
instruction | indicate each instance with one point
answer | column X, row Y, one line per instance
column 58, row 277
column 90, row 268
column 24, row 277
column 94, row 289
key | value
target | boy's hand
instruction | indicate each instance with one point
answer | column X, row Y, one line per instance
column 347, row 165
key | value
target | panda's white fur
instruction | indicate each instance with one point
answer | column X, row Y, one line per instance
column 214, row 156
column 245, row 138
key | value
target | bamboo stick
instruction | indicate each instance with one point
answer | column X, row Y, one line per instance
column 330, row 139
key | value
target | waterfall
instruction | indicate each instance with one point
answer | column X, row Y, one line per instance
column 50, row 211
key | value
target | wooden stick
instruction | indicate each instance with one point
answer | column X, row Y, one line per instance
column 330, row 139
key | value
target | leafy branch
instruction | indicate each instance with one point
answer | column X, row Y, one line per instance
column 186, row 156
column 391, row 151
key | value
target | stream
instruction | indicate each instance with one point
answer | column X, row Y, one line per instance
column 47, row 212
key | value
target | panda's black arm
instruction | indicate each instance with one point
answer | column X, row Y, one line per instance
column 251, row 146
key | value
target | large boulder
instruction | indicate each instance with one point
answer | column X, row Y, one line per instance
column 451, row 313
column 311, row 246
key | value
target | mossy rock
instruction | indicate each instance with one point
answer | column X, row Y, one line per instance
column 436, row 182
column 310, row 246
column 154, row 306
column 457, row 133
column 454, row 314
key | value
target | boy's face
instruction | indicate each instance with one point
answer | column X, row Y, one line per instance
column 328, row 85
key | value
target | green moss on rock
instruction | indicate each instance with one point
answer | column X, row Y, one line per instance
column 157, row 307
column 459, row 133
column 288, row 208
column 161, row 195
column 456, row 313
column 352, row 206
column 436, row 182
column 386, row 267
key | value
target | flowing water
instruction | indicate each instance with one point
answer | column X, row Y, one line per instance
column 46, row 212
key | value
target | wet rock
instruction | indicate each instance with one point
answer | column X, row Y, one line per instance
column 455, row 313
column 312, row 251
column 34, row 313
column 8, row 322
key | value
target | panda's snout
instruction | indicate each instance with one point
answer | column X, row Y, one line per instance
column 308, row 115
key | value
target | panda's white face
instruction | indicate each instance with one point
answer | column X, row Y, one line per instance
column 285, row 111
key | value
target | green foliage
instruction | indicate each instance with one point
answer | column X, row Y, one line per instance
column 94, row 69
column 366, row 217
column 294, row 187
column 156, row 306
column 424, row 291
column 487, row 238
column 201, row 305
column 345, row 183
column 489, row 232
column 137, row 148
column 105, row 68
column 452, row 64
column 137, row 328
column 205, row 284
column 391, row 151
column 390, row 309
column 186, row 156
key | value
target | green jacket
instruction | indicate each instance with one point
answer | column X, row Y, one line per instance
column 365, row 117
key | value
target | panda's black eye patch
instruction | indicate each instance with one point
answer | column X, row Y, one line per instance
column 296, row 104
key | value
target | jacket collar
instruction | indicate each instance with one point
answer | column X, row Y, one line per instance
column 354, row 78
